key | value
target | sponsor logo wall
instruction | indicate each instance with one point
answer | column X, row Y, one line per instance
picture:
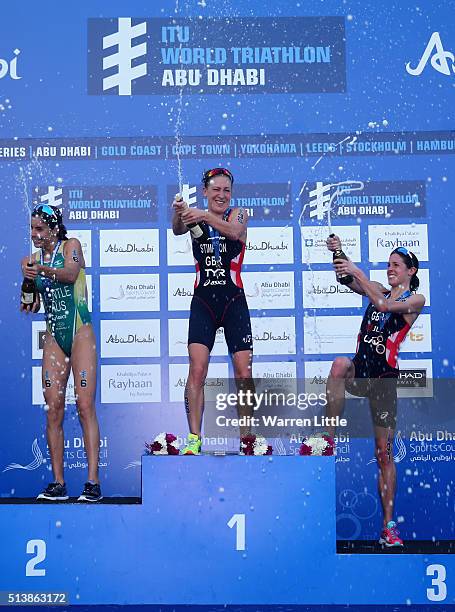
column 115, row 194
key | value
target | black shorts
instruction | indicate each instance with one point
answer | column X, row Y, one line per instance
column 381, row 390
column 232, row 314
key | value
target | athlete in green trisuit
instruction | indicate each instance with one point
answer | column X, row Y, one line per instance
column 69, row 342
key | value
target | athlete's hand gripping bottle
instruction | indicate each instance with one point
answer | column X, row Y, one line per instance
column 195, row 229
column 28, row 290
column 343, row 279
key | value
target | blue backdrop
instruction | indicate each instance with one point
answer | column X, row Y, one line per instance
column 348, row 125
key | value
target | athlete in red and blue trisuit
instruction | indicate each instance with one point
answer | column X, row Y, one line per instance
column 373, row 372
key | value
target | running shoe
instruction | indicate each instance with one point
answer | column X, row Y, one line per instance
column 193, row 446
column 54, row 492
column 91, row 493
column 389, row 536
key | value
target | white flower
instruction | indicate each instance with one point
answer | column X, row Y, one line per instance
column 317, row 444
column 260, row 446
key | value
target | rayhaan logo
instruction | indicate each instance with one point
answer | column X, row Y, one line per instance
column 323, row 197
column 53, row 196
column 123, row 58
column 10, row 67
column 401, row 450
column 438, row 57
column 33, row 465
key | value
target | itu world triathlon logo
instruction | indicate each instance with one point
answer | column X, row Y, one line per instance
column 114, row 55
column 53, row 196
column 323, row 197
column 436, row 55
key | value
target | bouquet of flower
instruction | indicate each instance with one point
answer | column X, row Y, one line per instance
column 163, row 444
column 254, row 445
column 318, row 445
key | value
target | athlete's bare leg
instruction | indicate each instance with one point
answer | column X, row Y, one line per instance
column 342, row 370
column 387, row 481
column 242, row 362
column 55, row 372
column 194, row 390
column 83, row 362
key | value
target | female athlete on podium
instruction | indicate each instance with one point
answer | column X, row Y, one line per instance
column 57, row 270
column 219, row 300
column 373, row 372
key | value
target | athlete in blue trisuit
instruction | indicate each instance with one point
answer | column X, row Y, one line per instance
column 373, row 372
column 219, row 299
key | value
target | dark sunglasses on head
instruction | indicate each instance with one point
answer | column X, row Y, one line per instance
column 217, row 172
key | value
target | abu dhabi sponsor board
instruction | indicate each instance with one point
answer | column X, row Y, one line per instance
column 279, row 376
column 129, row 292
column 104, row 205
column 418, row 339
column 262, row 201
column 314, row 247
column 179, row 249
column 275, row 370
column 212, row 56
column 75, row 455
column 321, row 290
column 273, row 335
column 363, row 199
column 129, row 247
column 180, row 289
column 130, row 338
column 316, row 374
column 330, row 335
column 37, row 387
column 424, row 277
column 130, row 384
column 273, row 290
column 383, row 239
column 178, row 339
column 85, row 238
column 269, row 245
column 216, row 381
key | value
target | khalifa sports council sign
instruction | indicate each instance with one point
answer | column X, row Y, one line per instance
column 133, row 56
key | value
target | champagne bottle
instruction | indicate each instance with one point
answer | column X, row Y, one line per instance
column 343, row 279
column 195, row 229
column 28, row 290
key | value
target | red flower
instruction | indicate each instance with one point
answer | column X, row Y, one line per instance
column 247, row 444
column 153, row 447
column 305, row 449
column 170, row 438
column 171, row 450
column 329, row 449
column 269, row 450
